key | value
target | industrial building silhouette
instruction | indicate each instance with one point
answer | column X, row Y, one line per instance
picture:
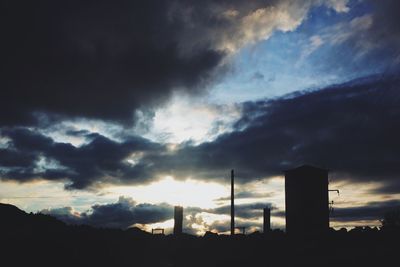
column 306, row 200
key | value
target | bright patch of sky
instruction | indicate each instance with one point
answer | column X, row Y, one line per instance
column 4, row 142
column 310, row 57
column 314, row 55
column 41, row 194
column 75, row 131
column 182, row 119
column 183, row 193
column 191, row 119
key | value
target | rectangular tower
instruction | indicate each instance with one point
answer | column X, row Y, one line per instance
column 306, row 200
column 267, row 220
column 178, row 220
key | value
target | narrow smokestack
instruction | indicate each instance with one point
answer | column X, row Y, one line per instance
column 232, row 203
column 267, row 220
column 178, row 218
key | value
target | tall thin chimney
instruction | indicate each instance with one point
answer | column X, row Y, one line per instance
column 178, row 218
column 232, row 203
column 267, row 220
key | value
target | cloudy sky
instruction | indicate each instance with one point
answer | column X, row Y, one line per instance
column 113, row 112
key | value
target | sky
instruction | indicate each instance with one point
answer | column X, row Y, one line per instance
column 113, row 112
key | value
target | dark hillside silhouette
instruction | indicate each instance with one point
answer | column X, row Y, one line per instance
column 40, row 240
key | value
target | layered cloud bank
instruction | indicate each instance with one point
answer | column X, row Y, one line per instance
column 127, row 213
column 350, row 129
column 122, row 214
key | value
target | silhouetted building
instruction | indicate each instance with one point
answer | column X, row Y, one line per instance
column 306, row 197
column 178, row 218
column 232, row 203
column 267, row 220
column 156, row 231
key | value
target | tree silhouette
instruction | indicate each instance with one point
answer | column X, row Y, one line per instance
column 391, row 219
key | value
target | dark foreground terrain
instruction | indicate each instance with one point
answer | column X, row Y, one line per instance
column 40, row 240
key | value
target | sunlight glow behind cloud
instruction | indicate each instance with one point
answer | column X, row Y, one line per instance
column 188, row 119
column 189, row 193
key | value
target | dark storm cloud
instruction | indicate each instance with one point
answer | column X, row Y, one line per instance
column 121, row 214
column 350, row 129
column 83, row 166
column 104, row 59
column 383, row 37
column 370, row 211
column 385, row 28
column 246, row 195
column 244, row 211
column 390, row 187
column 96, row 59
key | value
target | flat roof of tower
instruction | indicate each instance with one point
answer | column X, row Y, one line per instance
column 306, row 167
